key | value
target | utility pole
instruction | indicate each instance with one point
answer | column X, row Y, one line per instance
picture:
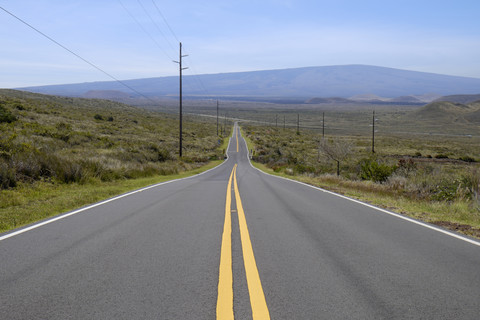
column 373, row 132
column 225, row 124
column 298, row 123
column 180, row 111
column 276, row 120
column 323, row 125
column 283, row 122
column 217, row 118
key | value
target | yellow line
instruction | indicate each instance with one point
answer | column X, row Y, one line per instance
column 257, row 297
column 236, row 131
column 225, row 278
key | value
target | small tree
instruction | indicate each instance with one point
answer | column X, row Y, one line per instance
column 336, row 150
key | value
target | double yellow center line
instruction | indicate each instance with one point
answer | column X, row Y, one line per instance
column 225, row 283
column 236, row 136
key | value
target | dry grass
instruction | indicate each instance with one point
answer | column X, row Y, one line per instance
column 439, row 191
column 59, row 153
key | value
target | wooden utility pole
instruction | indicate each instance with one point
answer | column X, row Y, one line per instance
column 298, row 123
column 217, row 118
column 225, row 124
column 373, row 132
column 180, row 111
column 323, row 125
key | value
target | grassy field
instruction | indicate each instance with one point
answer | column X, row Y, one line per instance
column 57, row 153
column 29, row 203
column 427, row 170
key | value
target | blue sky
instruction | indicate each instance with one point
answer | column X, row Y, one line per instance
column 228, row 36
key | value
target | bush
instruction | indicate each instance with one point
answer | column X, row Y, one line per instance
column 405, row 167
column 7, row 176
column 6, row 115
column 370, row 169
column 446, row 190
column 472, row 183
column 467, row 159
column 68, row 172
column 164, row 155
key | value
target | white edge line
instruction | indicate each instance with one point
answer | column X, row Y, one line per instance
column 63, row 216
column 423, row 224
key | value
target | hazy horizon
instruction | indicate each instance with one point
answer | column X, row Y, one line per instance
column 130, row 39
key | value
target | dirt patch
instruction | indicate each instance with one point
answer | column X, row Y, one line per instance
column 426, row 159
column 462, row 228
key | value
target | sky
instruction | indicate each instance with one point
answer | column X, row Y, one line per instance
column 131, row 39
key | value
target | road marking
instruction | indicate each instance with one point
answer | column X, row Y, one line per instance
column 236, row 134
column 225, row 278
column 66, row 215
column 394, row 214
column 257, row 297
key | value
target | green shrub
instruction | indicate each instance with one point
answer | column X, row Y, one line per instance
column 472, row 183
column 7, row 176
column 164, row 155
column 6, row 115
column 370, row 169
column 446, row 190
column 467, row 159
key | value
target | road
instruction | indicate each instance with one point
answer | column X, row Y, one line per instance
column 236, row 243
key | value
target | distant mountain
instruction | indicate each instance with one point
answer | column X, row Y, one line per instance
column 332, row 100
column 367, row 97
column 374, row 99
column 306, row 83
column 106, row 94
column 460, row 98
column 445, row 111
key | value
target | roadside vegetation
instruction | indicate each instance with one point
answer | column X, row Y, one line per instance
column 432, row 177
column 60, row 153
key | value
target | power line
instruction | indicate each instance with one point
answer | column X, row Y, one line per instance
column 192, row 67
column 197, row 77
column 165, row 20
column 156, row 25
column 75, row 54
column 145, row 30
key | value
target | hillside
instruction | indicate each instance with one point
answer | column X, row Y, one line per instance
column 306, row 83
column 67, row 140
column 450, row 112
column 461, row 98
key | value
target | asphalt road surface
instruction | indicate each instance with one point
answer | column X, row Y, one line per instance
column 236, row 243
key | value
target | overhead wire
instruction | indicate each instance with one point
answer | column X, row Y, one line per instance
column 165, row 20
column 145, row 30
column 156, row 25
column 192, row 69
column 198, row 78
column 75, row 54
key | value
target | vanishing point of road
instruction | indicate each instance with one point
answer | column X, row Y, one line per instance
column 235, row 243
